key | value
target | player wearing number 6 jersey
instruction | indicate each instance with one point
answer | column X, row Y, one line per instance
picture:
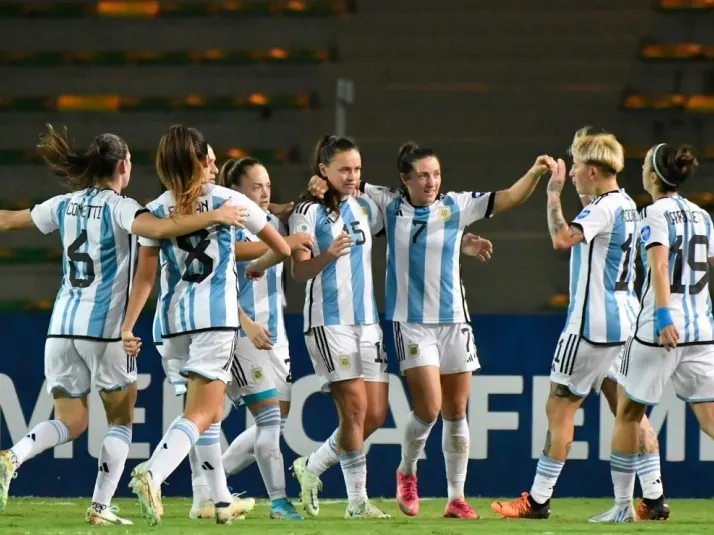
column 603, row 305
column 199, row 313
column 674, row 333
column 342, row 331
column 83, row 350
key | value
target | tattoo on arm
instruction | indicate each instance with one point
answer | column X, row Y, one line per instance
column 556, row 221
column 575, row 231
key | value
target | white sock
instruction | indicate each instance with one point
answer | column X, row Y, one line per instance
column 324, row 457
column 267, row 451
column 43, row 436
column 201, row 492
column 112, row 458
column 650, row 474
column 208, row 451
column 622, row 469
column 547, row 473
column 241, row 452
column 455, row 445
column 415, row 434
column 179, row 440
column 160, row 445
column 354, row 470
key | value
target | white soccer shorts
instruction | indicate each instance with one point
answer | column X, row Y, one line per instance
column 75, row 366
column 580, row 365
column 646, row 370
column 343, row 352
column 172, row 369
column 205, row 353
column 257, row 374
column 449, row 346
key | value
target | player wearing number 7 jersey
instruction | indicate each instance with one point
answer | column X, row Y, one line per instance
column 674, row 334
column 603, row 305
column 83, row 350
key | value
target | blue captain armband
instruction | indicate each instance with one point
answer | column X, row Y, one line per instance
column 663, row 318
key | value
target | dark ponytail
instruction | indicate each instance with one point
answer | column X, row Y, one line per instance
column 233, row 170
column 673, row 165
column 325, row 150
column 81, row 171
column 409, row 154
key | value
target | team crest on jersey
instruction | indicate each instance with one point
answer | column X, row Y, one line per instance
column 413, row 350
column 444, row 213
column 646, row 232
column 303, row 227
column 344, row 361
column 258, row 375
column 365, row 212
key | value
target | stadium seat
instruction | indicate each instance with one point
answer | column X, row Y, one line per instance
column 671, row 101
column 154, row 9
column 116, row 103
column 652, row 51
column 157, row 58
column 684, row 5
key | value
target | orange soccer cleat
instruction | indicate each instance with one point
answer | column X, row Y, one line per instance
column 523, row 507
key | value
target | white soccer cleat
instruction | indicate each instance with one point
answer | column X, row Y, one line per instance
column 618, row 513
column 310, row 485
column 203, row 511
column 142, row 484
column 364, row 509
column 101, row 515
column 237, row 510
column 7, row 474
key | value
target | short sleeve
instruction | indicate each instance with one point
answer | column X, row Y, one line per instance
column 379, row 195
column 373, row 213
column 45, row 216
column 655, row 229
column 125, row 211
column 257, row 218
column 303, row 218
column 474, row 205
column 152, row 208
column 710, row 252
column 592, row 220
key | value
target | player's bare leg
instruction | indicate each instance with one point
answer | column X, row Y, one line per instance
column 653, row 505
column 560, row 410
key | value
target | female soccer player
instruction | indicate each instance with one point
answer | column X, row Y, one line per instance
column 603, row 307
column 342, row 329
column 199, row 313
column 674, row 332
column 83, row 348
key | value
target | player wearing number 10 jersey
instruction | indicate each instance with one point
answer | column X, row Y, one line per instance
column 83, row 351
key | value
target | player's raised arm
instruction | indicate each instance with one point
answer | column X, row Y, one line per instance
column 15, row 220
column 523, row 188
column 147, row 225
column 563, row 235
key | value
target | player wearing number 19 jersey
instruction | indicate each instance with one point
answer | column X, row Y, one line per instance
column 674, row 335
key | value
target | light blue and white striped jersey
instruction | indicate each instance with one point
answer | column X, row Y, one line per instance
column 262, row 299
column 686, row 230
column 423, row 253
column 343, row 292
column 603, row 304
column 156, row 327
column 97, row 264
column 199, row 287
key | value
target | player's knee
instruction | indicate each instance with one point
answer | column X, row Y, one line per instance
column 629, row 411
column 76, row 423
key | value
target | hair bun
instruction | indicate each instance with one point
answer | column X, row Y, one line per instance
column 686, row 161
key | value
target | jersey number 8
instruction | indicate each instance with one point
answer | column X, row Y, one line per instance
column 196, row 253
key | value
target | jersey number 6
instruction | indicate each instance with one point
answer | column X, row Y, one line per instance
column 80, row 258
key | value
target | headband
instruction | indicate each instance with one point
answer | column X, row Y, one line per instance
column 657, row 154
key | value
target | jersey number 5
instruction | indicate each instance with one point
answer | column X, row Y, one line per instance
column 80, row 258
column 196, row 253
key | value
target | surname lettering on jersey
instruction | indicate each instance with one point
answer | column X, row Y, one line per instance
column 201, row 207
column 683, row 216
column 75, row 209
column 629, row 216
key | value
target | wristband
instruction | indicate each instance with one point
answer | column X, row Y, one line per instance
column 663, row 318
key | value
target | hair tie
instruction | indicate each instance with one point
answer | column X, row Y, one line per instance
column 657, row 153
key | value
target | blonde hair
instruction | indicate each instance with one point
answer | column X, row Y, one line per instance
column 601, row 149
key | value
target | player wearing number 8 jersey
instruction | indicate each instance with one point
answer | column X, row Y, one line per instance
column 603, row 305
column 199, row 313
column 674, row 335
column 342, row 331
column 83, row 351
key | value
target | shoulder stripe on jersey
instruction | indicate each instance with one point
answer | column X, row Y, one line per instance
column 304, row 206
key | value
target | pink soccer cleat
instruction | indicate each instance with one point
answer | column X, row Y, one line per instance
column 460, row 509
column 407, row 496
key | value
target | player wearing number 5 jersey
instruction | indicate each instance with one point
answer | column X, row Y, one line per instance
column 83, row 348
column 342, row 329
column 199, row 313
column 603, row 305
column 674, row 334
